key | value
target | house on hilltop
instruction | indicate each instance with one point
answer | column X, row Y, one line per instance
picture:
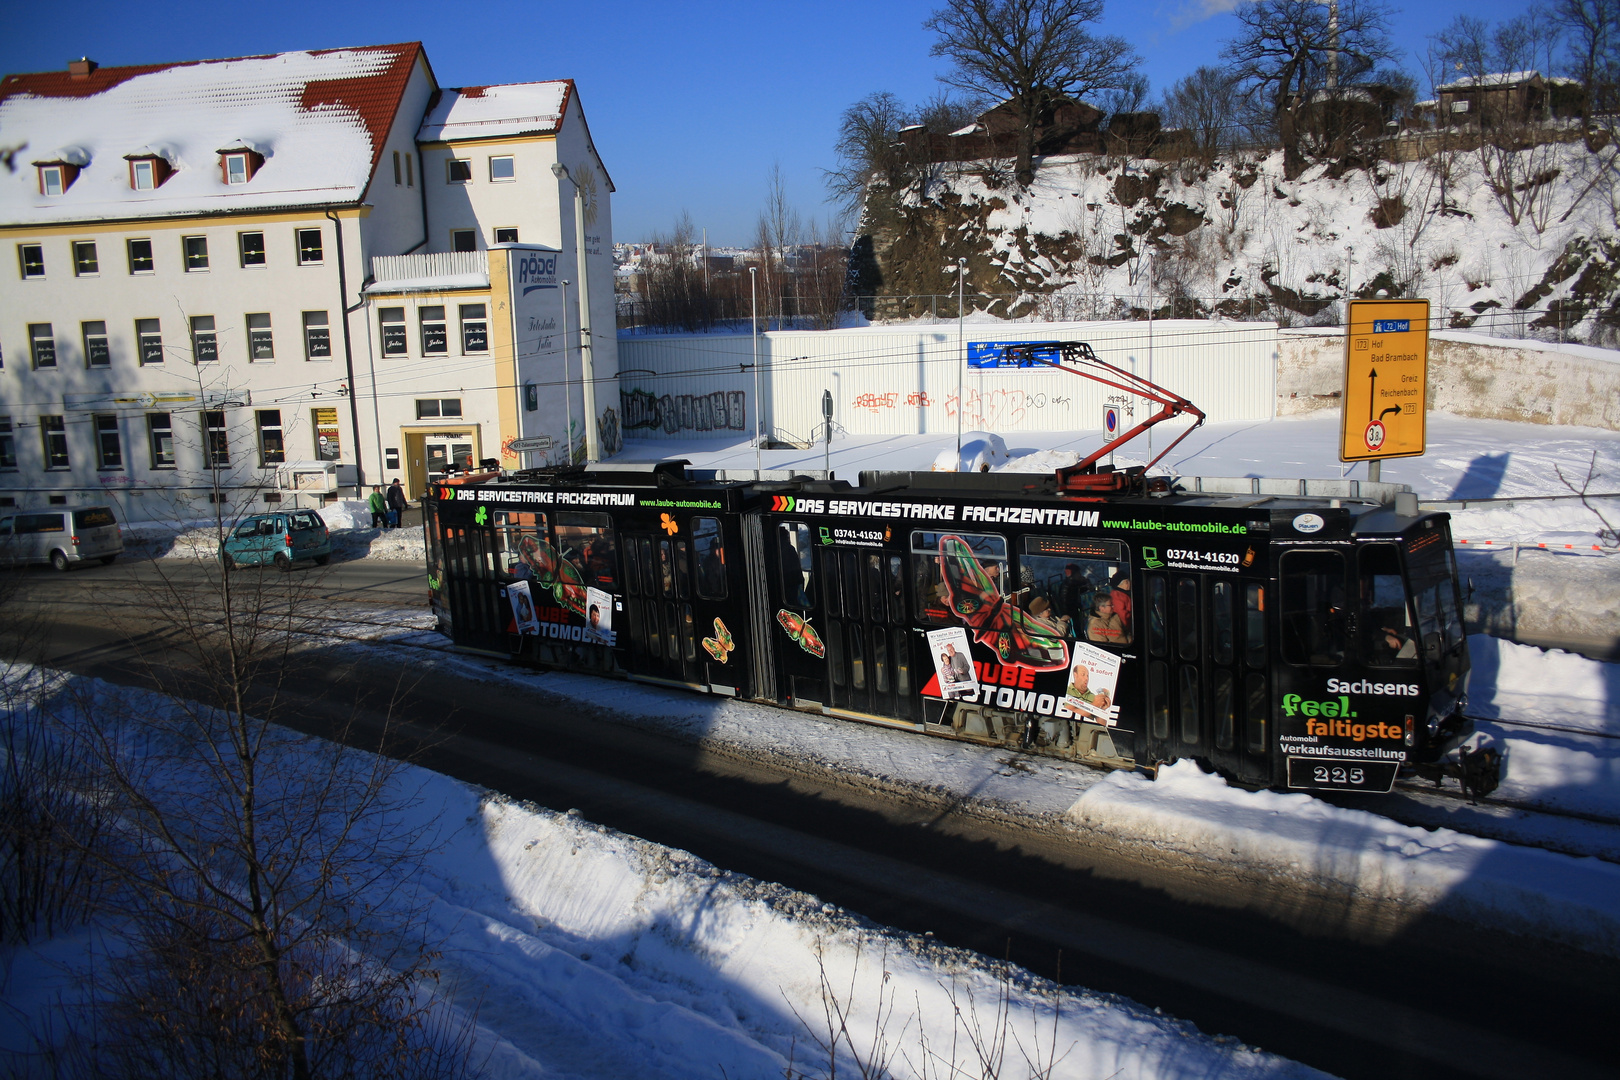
column 227, row 271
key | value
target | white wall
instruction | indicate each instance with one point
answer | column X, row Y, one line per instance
column 888, row 381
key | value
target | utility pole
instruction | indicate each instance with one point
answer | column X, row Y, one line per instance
column 587, row 367
column 961, row 357
column 753, row 297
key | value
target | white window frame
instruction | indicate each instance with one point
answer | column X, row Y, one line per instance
column 53, row 432
column 310, row 254
column 234, row 161
column 403, row 331
column 480, row 321
column 511, row 161
column 450, row 170
column 92, row 339
column 8, row 445
column 80, row 262
column 261, row 337
column 42, row 346
column 204, row 338
column 268, row 457
column 52, row 180
column 193, row 266
column 151, row 257
column 216, row 439
column 457, row 234
column 22, row 261
column 424, row 322
column 506, row 229
column 317, row 332
column 149, row 341
column 105, row 425
column 160, row 439
column 143, row 174
column 242, row 252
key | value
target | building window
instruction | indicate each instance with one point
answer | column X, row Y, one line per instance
column 42, row 343
column 435, row 408
column 55, row 179
column 142, row 175
column 204, row 342
column 309, row 246
column 161, row 437
column 149, row 339
column 96, row 351
column 196, row 249
column 463, row 240
column 260, row 346
column 271, row 450
column 506, row 236
column 109, row 449
column 397, row 175
column 8, row 445
column 140, row 256
column 238, row 170
column 84, row 258
column 458, row 171
column 252, row 248
column 392, row 320
column 216, row 448
column 410, row 166
column 31, row 257
column 328, row 444
column 435, row 339
column 317, row 336
column 54, row 433
column 474, row 329
column 501, row 169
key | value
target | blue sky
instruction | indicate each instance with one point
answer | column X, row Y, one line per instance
column 690, row 104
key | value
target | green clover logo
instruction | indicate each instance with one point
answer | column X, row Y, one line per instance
column 482, row 516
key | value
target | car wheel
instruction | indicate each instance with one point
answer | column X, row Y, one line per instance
column 108, row 560
column 226, row 561
column 322, row 560
column 59, row 560
column 283, row 563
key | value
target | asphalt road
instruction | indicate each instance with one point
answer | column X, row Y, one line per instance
column 1350, row 987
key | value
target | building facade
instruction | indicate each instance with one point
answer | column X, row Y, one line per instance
column 225, row 273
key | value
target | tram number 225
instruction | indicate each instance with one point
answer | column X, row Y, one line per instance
column 1341, row 775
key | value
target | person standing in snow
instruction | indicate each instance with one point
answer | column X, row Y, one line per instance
column 397, row 503
column 379, row 507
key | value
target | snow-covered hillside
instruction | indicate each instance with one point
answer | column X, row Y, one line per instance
column 1522, row 244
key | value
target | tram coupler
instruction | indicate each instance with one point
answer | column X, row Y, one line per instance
column 1478, row 772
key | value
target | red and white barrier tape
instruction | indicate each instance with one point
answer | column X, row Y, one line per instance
column 1532, row 544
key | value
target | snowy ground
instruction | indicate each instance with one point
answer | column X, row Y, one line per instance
column 592, row 954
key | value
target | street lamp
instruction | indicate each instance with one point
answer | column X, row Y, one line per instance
column 753, row 300
column 568, row 391
column 961, row 358
column 587, row 369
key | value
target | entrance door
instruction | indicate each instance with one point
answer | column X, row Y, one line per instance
column 868, row 654
column 658, row 609
column 1206, row 671
column 442, row 453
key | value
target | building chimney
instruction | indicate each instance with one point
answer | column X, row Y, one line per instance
column 81, row 68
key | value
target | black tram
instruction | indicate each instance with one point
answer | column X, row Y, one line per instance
column 1297, row 640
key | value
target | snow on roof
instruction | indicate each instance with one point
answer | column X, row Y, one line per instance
column 318, row 118
column 482, row 112
column 1500, row 78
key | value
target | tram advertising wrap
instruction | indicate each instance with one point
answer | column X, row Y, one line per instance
column 1283, row 641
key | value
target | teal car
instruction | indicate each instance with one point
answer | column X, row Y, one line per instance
column 281, row 538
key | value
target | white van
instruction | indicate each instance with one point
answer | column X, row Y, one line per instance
column 60, row 537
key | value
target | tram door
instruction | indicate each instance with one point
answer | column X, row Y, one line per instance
column 868, row 655
column 658, row 608
column 1206, row 644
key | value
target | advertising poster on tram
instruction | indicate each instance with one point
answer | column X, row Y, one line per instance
column 1093, row 685
column 522, row 607
column 598, row 616
column 953, row 663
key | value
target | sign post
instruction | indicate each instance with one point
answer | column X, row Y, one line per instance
column 1383, row 412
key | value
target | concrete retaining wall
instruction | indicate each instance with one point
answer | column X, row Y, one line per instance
column 1468, row 376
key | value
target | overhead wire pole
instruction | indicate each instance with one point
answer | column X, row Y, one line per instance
column 753, row 302
column 961, row 359
column 568, row 390
column 587, row 366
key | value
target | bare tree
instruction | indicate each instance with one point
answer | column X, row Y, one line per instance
column 868, row 148
column 1203, row 104
column 1592, row 29
column 1286, row 55
column 1131, row 95
column 1033, row 53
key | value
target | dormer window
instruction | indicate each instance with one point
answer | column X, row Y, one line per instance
column 56, row 178
column 147, row 172
column 237, row 164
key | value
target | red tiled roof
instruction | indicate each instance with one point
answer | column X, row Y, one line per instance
column 375, row 99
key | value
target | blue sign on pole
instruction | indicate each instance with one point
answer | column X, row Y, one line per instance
column 1392, row 326
column 1111, row 420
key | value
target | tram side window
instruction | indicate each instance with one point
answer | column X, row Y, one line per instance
column 957, row 575
column 1080, row 587
column 1388, row 638
column 1254, row 625
column 711, row 558
column 1313, row 608
column 511, row 526
column 586, row 540
column 793, row 551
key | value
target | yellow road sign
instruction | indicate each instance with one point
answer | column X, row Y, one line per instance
column 1386, row 364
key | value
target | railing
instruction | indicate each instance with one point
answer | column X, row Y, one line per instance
column 387, row 269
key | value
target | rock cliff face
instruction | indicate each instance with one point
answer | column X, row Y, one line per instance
column 1524, row 248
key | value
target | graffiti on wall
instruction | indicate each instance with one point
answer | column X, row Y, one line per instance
column 992, row 409
column 723, row 410
column 608, row 432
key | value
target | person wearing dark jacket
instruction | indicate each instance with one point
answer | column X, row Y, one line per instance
column 397, row 503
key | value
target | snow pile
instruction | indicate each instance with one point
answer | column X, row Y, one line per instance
column 981, row 452
column 1201, row 816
